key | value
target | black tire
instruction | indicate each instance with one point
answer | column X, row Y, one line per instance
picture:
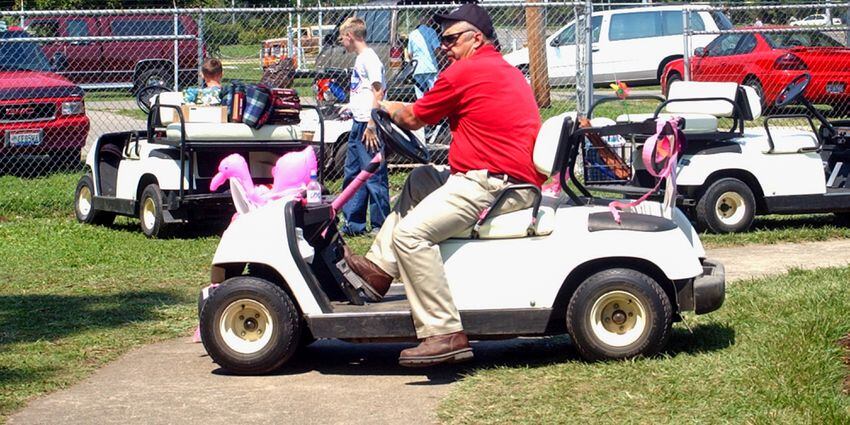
column 67, row 160
column 340, row 152
column 594, row 312
column 236, row 342
column 674, row 76
column 83, row 206
column 756, row 85
column 154, row 77
column 727, row 206
column 151, row 217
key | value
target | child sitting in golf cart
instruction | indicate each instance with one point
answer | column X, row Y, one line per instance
column 211, row 93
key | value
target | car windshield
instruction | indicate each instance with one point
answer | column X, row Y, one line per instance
column 801, row 39
column 22, row 55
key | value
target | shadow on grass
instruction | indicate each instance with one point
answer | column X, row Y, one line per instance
column 29, row 318
column 794, row 222
column 340, row 358
column 704, row 339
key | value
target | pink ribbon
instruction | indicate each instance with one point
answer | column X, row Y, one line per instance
column 667, row 142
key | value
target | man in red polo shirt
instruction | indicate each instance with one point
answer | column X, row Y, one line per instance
column 494, row 122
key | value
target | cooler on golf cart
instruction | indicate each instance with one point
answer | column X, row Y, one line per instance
column 162, row 174
column 565, row 265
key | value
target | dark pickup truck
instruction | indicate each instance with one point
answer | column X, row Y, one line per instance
column 119, row 63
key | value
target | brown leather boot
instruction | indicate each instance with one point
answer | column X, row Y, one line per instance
column 377, row 280
column 449, row 348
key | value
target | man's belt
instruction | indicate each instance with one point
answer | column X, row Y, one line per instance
column 505, row 178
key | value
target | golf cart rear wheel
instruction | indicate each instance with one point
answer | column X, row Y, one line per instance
column 150, row 212
column 727, row 206
column 250, row 326
column 618, row 314
column 84, row 207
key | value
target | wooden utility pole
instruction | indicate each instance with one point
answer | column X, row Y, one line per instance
column 538, row 70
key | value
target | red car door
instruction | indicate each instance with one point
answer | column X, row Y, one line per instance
column 722, row 59
column 84, row 58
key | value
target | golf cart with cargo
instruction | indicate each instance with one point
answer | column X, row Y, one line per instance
column 162, row 175
column 727, row 176
column 279, row 279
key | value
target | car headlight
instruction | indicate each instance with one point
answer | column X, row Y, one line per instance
column 73, row 108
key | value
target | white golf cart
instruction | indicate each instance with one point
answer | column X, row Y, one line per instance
column 279, row 278
column 726, row 177
column 162, row 175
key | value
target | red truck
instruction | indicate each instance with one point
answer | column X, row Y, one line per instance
column 121, row 63
column 42, row 115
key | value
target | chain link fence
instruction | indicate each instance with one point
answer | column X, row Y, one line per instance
column 73, row 75
column 767, row 48
column 69, row 77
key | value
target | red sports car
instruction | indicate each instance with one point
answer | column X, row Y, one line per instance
column 769, row 61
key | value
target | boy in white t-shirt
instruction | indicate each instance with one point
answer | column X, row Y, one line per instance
column 366, row 78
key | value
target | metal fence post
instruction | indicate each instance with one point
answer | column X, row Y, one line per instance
column 200, row 46
column 321, row 34
column 584, row 59
column 686, row 43
column 176, row 53
column 300, row 47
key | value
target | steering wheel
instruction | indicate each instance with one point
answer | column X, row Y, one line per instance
column 793, row 90
column 401, row 140
column 144, row 95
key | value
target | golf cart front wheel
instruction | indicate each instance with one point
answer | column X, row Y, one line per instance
column 250, row 326
column 84, row 206
column 727, row 206
column 618, row 314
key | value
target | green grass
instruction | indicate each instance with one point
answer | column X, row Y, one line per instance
column 74, row 296
column 769, row 355
column 132, row 113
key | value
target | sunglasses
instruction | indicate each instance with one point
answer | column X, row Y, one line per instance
column 449, row 40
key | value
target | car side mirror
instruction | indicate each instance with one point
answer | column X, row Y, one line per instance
column 700, row 52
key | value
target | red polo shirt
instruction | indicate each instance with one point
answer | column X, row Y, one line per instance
column 492, row 114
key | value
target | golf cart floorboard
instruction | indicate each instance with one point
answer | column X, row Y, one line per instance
column 395, row 300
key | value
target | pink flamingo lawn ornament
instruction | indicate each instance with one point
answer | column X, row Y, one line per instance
column 291, row 172
column 234, row 166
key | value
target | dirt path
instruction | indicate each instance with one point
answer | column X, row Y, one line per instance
column 334, row 382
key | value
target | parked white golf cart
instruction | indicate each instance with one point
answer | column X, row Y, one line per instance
column 727, row 176
column 162, row 174
column 615, row 288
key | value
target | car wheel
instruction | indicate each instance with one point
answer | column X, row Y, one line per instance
column 756, row 85
column 67, row 160
column 250, row 326
column 525, row 73
column 150, row 212
column 673, row 77
column 340, row 152
column 618, row 314
column 727, row 206
column 155, row 77
column 84, row 207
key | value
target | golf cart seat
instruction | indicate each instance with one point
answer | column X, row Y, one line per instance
column 215, row 132
column 702, row 103
column 230, row 132
column 519, row 224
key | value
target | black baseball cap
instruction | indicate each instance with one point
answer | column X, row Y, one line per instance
column 472, row 13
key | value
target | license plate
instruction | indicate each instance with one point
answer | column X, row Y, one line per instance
column 835, row 88
column 20, row 138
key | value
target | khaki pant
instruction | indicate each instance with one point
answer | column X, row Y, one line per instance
column 407, row 245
